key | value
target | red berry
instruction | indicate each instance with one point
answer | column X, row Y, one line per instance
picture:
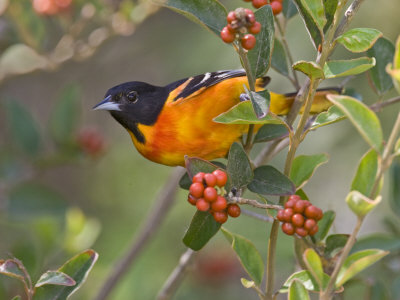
column 310, row 224
column 294, row 198
column 288, row 228
column 210, row 194
column 231, row 17
column 276, row 7
column 301, row 231
column 289, row 204
column 202, row 205
column 259, row 3
column 210, row 179
column 222, row 178
column 196, row 189
column 227, row 36
column 277, row 1
column 248, row 41
column 281, row 215
column 313, row 212
column 192, row 200
column 219, row 204
column 255, row 28
column 91, row 141
column 299, row 206
column 287, row 214
column 314, row 230
column 198, row 177
column 298, row 220
column 250, row 17
column 220, row 216
column 234, row 210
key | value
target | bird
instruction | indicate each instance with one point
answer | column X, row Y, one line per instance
column 168, row 122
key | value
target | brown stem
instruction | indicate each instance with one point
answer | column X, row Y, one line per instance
column 153, row 221
column 327, row 293
column 177, row 276
column 379, row 105
column 255, row 203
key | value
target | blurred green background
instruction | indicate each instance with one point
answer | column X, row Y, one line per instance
column 80, row 183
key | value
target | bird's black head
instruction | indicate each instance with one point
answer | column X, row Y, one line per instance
column 134, row 102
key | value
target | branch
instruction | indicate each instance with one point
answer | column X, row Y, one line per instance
column 157, row 214
column 379, row 105
column 348, row 17
column 254, row 203
column 178, row 274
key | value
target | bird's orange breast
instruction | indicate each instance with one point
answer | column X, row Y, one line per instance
column 186, row 126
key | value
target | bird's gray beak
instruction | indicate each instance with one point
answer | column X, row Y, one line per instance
column 107, row 104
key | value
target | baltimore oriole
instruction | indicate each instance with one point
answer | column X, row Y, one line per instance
column 167, row 123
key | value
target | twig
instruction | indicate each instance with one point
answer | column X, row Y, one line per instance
column 176, row 277
column 348, row 17
column 327, row 294
column 157, row 214
column 257, row 216
column 379, row 105
column 254, row 203
column 270, row 151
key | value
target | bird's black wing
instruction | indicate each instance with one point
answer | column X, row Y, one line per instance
column 206, row 80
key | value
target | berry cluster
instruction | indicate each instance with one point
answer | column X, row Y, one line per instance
column 206, row 193
column 242, row 25
column 276, row 5
column 300, row 217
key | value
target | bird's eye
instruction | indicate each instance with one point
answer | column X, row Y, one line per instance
column 132, row 96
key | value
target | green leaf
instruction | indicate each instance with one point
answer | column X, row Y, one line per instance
column 359, row 39
column 78, row 268
column 17, row 298
column 304, row 166
column 260, row 56
column 332, row 115
column 269, row 132
column 305, row 278
column 334, row 243
column 330, row 9
column 12, row 268
column 243, row 113
column 363, row 118
column 239, row 167
column 357, row 262
column 395, row 187
column 202, row 228
column 314, row 265
column 279, row 60
column 260, row 101
column 366, row 173
column 195, row 165
column 383, row 51
column 208, row 13
column 269, row 181
column 248, row 255
column 289, row 9
column 247, row 283
column 24, row 129
column 55, row 278
column 33, row 200
column 360, row 204
column 21, row 59
column 297, row 291
column 324, row 225
column 313, row 14
column 340, row 68
column 310, row 68
column 65, row 116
